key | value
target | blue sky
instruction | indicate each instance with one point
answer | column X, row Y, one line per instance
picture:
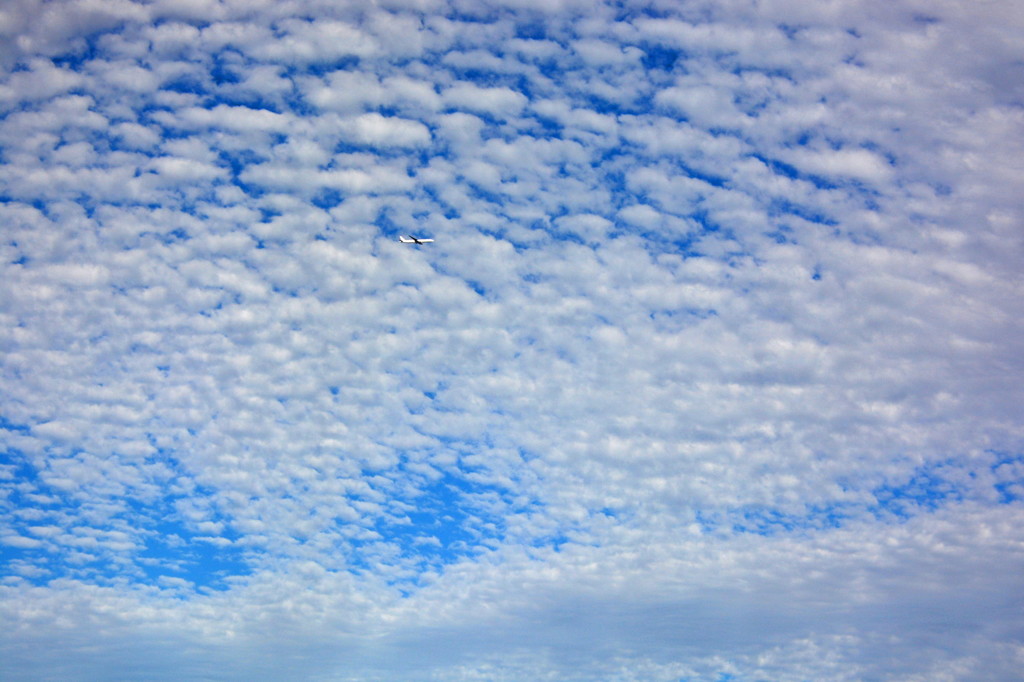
column 713, row 370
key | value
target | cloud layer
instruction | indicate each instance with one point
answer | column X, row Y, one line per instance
column 713, row 369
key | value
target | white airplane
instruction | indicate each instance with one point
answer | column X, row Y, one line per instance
column 414, row 240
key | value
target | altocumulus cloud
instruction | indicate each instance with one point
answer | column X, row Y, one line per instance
column 713, row 371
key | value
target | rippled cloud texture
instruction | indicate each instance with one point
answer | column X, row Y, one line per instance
column 714, row 370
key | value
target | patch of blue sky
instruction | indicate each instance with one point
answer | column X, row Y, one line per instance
column 442, row 521
column 660, row 58
column 186, row 84
column 17, row 258
column 1008, row 471
column 175, row 550
column 76, row 55
column 674, row 321
column 532, row 28
column 927, row 490
column 411, row 158
column 22, row 490
column 485, row 77
column 587, row 99
column 478, row 191
column 237, row 161
column 771, row 521
column 659, row 241
column 7, row 424
column 61, row 532
column 437, row 523
column 790, row 171
column 935, row 485
column 17, row 490
column 321, row 66
column 780, row 207
column 708, row 223
column 226, row 68
column 327, row 198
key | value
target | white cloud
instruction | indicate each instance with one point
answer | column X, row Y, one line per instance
column 41, row 80
column 498, row 102
column 860, row 164
column 718, row 341
column 381, row 131
column 21, row 541
column 588, row 226
column 301, row 41
column 242, row 119
column 707, row 107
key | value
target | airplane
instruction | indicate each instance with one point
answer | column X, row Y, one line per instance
column 414, row 240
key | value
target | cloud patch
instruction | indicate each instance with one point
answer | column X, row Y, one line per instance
column 718, row 340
